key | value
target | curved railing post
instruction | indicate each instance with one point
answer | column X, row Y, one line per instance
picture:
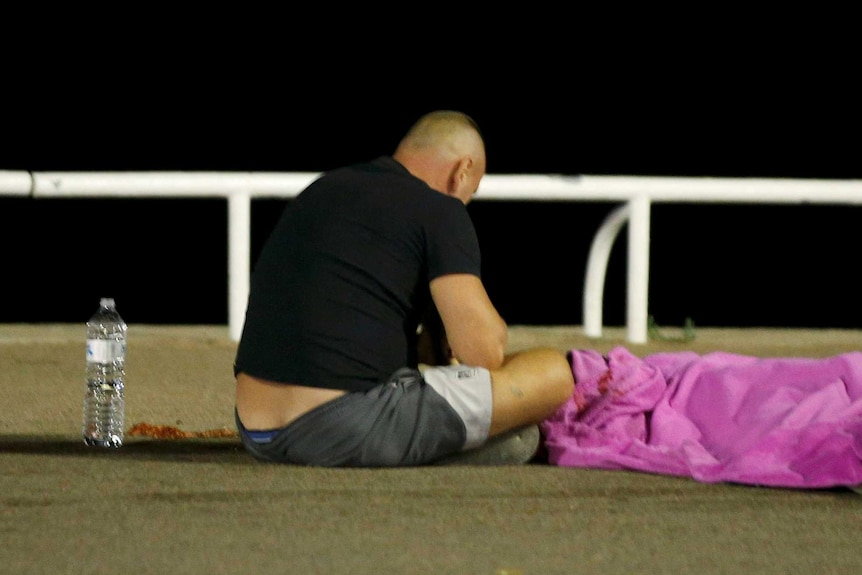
column 597, row 265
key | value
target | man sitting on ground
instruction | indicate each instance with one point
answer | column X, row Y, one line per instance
column 327, row 368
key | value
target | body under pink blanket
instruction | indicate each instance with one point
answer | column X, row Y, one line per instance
column 781, row 422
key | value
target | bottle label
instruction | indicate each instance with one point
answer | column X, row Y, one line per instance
column 101, row 351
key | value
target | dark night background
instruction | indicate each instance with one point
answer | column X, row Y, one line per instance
column 165, row 261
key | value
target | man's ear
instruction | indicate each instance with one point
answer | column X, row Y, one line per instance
column 460, row 175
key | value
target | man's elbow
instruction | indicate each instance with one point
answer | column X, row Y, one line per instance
column 495, row 358
column 489, row 354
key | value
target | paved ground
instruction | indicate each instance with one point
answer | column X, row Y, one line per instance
column 204, row 506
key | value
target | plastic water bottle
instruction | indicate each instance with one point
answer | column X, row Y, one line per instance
column 104, row 404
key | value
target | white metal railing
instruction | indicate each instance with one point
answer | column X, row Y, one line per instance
column 636, row 194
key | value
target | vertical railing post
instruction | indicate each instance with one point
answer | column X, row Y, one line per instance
column 637, row 297
column 239, row 259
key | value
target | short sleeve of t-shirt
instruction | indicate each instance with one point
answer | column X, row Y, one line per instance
column 452, row 246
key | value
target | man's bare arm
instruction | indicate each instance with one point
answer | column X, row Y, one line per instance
column 475, row 331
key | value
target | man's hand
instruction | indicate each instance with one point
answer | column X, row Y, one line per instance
column 432, row 344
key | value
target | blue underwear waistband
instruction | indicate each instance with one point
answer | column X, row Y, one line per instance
column 262, row 436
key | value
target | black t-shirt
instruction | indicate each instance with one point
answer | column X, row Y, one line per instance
column 342, row 282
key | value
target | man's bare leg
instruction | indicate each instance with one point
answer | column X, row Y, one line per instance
column 526, row 390
column 529, row 387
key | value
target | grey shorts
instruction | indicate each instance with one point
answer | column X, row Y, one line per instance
column 412, row 419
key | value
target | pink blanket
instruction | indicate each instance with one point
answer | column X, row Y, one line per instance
column 782, row 422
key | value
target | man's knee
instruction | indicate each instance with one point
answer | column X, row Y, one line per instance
column 559, row 375
column 548, row 366
column 530, row 386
